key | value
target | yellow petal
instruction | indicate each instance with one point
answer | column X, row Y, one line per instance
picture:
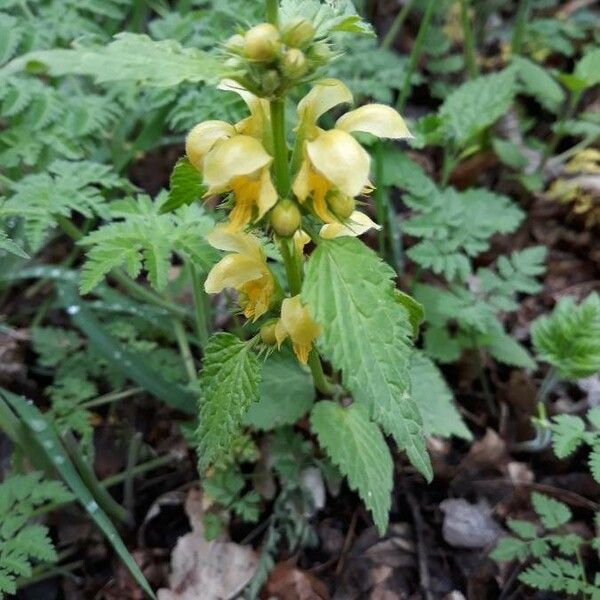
column 238, row 156
column 300, row 239
column 222, row 238
column 341, row 160
column 301, row 185
column 232, row 271
column 323, row 97
column 297, row 321
column 267, row 197
column 356, row 224
column 255, row 296
column 201, row 139
column 377, row 119
column 259, row 109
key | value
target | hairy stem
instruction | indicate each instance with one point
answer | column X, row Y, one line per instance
column 292, row 268
column 381, row 198
column 319, row 378
column 273, row 11
column 280, row 158
column 184, row 349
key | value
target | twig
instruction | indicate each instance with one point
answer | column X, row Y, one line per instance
column 347, row 543
column 421, row 547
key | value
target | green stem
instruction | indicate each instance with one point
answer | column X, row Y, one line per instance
column 381, row 199
column 290, row 262
column 558, row 134
column 273, row 11
column 469, row 40
column 184, row 349
column 280, row 158
column 319, row 378
column 547, row 385
column 102, row 497
column 112, row 397
column 200, row 306
column 392, row 33
column 448, row 164
column 520, row 24
column 415, row 54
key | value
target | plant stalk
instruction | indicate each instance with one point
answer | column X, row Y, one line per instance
column 520, row 25
column 200, row 306
column 280, row 158
column 392, row 33
column 184, row 349
column 469, row 40
column 415, row 54
column 273, row 11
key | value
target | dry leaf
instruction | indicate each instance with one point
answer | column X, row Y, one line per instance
column 289, row 583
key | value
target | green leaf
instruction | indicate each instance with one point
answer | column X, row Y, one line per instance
column 569, row 338
column 45, row 437
column 133, row 366
column 539, row 84
column 415, row 310
column 507, row 350
column 478, row 104
column 185, row 186
column 509, row 548
column 129, row 57
column 555, row 574
column 146, row 238
column 434, row 399
column 552, row 513
column 594, row 461
column 358, row 448
column 509, row 153
column 567, row 434
column 7, row 245
column 526, row 529
column 229, row 384
column 329, row 17
column 286, row 393
column 366, row 334
column 588, row 67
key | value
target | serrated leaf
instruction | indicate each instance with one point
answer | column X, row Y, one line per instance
column 185, row 186
column 357, row 447
column 129, row 57
column 552, row 513
column 507, row 350
column 588, row 67
column 8, row 245
column 478, row 103
column 539, row 84
column 434, row 400
column 229, row 384
column 286, row 393
column 415, row 310
column 526, row 529
column 366, row 334
column 569, row 338
column 594, row 462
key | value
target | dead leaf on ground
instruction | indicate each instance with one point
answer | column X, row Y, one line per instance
column 469, row 525
column 208, row 570
column 488, row 452
column 289, row 583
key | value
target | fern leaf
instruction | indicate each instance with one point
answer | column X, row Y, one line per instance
column 569, row 338
column 229, row 384
column 551, row 512
column 357, row 447
column 568, row 433
column 129, row 57
column 366, row 334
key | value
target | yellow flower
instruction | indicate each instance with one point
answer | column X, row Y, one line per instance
column 333, row 161
column 233, row 158
column 244, row 270
column 356, row 224
column 296, row 323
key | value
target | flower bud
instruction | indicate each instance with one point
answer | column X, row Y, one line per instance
column 298, row 33
column 341, row 206
column 269, row 82
column 285, row 218
column 262, row 43
column 321, row 53
column 267, row 334
column 236, row 44
column 294, row 64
